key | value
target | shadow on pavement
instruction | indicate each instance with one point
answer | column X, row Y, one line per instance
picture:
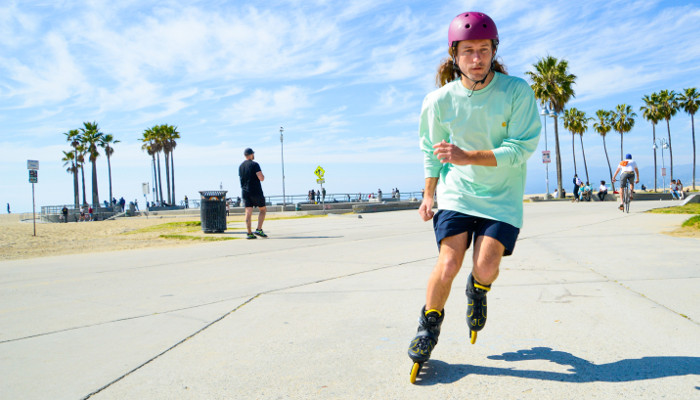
column 582, row 371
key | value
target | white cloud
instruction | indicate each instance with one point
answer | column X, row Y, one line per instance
column 263, row 104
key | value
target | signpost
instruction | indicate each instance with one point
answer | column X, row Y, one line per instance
column 546, row 158
column 33, row 167
column 320, row 172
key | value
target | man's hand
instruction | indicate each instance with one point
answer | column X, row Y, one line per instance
column 426, row 209
column 449, row 153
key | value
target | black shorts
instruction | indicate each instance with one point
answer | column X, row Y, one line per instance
column 449, row 223
column 253, row 200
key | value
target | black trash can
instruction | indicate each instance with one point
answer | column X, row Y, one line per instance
column 213, row 211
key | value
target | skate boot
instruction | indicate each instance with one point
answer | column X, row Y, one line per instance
column 476, row 306
column 426, row 339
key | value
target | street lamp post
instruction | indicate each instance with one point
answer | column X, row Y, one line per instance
column 664, row 145
column 284, row 195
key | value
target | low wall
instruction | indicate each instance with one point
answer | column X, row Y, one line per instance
column 379, row 207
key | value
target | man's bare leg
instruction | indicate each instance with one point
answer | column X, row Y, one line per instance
column 261, row 217
column 488, row 253
column 248, row 218
column 449, row 262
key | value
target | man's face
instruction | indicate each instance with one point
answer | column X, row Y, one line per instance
column 474, row 58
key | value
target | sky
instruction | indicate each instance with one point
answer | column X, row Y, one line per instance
column 345, row 79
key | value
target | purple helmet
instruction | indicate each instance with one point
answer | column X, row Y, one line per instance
column 472, row 26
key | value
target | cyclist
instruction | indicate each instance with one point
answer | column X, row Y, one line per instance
column 629, row 171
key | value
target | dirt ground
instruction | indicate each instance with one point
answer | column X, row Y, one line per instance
column 17, row 240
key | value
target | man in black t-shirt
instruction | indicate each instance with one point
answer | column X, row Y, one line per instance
column 252, row 193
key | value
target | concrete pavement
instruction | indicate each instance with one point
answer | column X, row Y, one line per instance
column 593, row 304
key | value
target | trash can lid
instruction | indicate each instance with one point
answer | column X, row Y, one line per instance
column 217, row 193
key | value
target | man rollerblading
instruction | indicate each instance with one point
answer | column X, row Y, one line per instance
column 475, row 154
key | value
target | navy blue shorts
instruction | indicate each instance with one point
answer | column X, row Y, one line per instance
column 449, row 223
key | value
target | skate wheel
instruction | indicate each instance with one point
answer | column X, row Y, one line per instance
column 415, row 370
column 473, row 337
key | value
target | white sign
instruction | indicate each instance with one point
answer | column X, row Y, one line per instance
column 320, row 181
column 663, row 171
column 546, row 158
column 144, row 186
column 32, row 164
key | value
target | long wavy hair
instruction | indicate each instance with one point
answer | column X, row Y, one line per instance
column 447, row 71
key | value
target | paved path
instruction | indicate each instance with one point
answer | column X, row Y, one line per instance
column 593, row 304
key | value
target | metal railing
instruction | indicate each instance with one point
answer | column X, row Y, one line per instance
column 291, row 200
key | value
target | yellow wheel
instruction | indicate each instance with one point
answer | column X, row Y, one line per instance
column 414, row 372
column 473, row 337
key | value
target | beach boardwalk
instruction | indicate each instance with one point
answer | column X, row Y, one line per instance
column 326, row 309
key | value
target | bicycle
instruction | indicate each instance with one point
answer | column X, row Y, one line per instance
column 626, row 195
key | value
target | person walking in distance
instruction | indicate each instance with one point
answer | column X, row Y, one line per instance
column 252, row 193
column 476, row 133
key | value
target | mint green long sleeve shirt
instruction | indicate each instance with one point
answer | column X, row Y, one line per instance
column 501, row 117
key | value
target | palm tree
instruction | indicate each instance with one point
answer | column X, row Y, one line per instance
column 162, row 138
column 152, row 147
column 552, row 85
column 92, row 137
column 69, row 161
column 650, row 112
column 158, row 141
column 689, row 103
column 581, row 127
column 81, row 151
column 73, row 137
column 569, row 121
column 603, row 126
column 106, row 143
column 170, row 133
column 623, row 121
column 668, row 107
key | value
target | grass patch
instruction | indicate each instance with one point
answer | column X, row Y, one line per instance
column 197, row 238
column 298, row 217
column 692, row 223
column 187, row 226
column 692, row 208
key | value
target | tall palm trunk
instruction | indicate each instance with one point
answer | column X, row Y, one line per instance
column 167, row 176
column 160, row 183
column 692, row 124
column 670, row 148
column 653, row 135
column 172, row 174
column 155, row 177
column 609, row 167
column 584, row 159
column 573, row 150
column 622, row 136
column 82, row 172
column 95, row 194
column 560, row 189
column 76, row 190
column 109, row 171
